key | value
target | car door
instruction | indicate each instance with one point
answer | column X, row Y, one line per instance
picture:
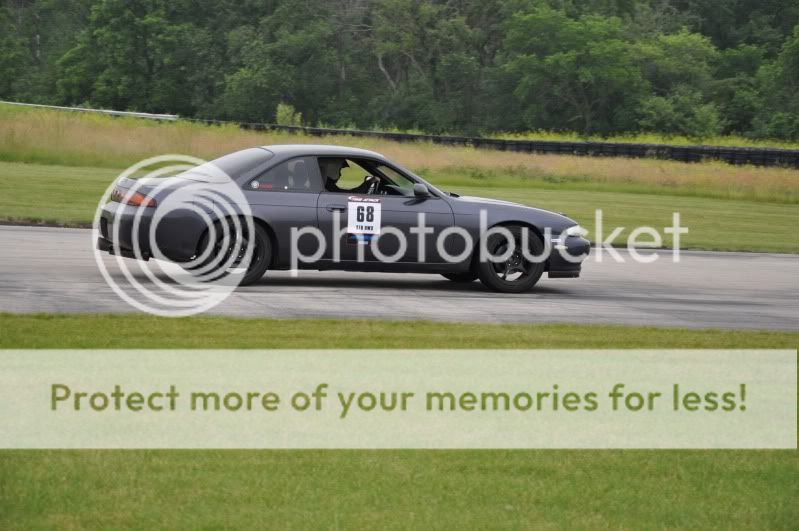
column 382, row 228
column 285, row 197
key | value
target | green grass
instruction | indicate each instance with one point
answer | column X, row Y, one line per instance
column 69, row 195
column 573, row 136
column 83, row 140
column 654, row 138
column 398, row 490
column 142, row 331
column 391, row 489
column 714, row 224
column 11, row 111
column 686, row 186
column 54, row 194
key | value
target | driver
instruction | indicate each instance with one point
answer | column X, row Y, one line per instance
column 331, row 173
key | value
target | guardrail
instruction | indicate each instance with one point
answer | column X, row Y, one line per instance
column 167, row 117
column 731, row 155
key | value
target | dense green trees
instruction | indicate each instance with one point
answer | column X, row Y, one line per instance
column 575, row 74
column 690, row 67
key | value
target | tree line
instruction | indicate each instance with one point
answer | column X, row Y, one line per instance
column 596, row 67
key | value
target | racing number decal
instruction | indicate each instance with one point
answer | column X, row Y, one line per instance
column 363, row 216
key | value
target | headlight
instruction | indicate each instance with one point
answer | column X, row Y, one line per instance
column 576, row 230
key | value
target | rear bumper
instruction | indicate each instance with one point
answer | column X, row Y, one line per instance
column 107, row 246
column 176, row 236
column 567, row 258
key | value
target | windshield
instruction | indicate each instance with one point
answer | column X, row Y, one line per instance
column 430, row 186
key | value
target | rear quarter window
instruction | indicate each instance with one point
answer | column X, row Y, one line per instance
column 244, row 164
column 295, row 175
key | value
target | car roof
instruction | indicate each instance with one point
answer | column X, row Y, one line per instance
column 320, row 149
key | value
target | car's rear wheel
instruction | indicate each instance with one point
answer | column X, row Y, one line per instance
column 516, row 274
column 261, row 254
column 223, row 251
column 464, row 278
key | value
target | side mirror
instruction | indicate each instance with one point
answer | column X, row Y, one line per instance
column 420, row 190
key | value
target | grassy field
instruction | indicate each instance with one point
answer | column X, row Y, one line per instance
column 67, row 194
column 56, row 165
column 654, row 138
column 398, row 490
column 639, row 138
column 127, row 331
column 391, row 489
column 71, row 139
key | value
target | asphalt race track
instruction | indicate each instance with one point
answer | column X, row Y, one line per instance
column 53, row 270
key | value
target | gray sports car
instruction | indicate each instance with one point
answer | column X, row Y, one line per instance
column 330, row 207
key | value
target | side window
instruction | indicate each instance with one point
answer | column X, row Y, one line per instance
column 295, row 175
column 352, row 175
column 347, row 174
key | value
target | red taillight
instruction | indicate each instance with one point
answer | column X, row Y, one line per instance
column 126, row 197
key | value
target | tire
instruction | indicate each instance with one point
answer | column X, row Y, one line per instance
column 461, row 278
column 503, row 276
column 261, row 256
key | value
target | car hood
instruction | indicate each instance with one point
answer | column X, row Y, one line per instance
column 557, row 218
column 488, row 201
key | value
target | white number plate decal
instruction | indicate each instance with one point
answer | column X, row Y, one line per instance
column 363, row 215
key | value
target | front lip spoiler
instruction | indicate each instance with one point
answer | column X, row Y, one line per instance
column 108, row 247
column 571, row 273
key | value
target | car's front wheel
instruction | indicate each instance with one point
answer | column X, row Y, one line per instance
column 516, row 273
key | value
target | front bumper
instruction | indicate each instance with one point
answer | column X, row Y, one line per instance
column 567, row 257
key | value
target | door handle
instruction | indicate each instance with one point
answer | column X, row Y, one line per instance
column 336, row 208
